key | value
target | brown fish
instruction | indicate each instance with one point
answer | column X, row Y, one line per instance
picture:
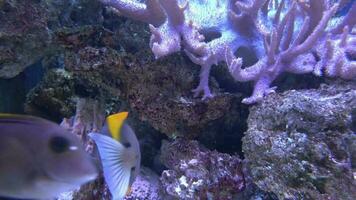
column 39, row 159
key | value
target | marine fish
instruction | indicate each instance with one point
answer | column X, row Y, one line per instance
column 120, row 154
column 39, row 159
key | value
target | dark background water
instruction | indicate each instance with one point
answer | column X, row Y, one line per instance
column 13, row 91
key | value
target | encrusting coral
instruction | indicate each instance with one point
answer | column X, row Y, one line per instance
column 285, row 35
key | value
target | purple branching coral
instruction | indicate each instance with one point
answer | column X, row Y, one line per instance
column 288, row 49
column 286, row 36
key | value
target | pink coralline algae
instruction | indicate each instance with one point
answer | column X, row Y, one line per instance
column 296, row 36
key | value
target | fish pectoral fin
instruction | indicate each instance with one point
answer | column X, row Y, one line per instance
column 116, row 171
column 129, row 191
column 117, row 177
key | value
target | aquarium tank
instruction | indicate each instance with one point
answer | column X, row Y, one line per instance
column 178, row 99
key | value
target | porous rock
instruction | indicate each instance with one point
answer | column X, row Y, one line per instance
column 299, row 144
column 24, row 36
column 197, row 173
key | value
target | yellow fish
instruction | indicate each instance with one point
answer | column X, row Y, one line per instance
column 39, row 159
column 120, row 154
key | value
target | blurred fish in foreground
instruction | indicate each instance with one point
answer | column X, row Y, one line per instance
column 120, row 155
column 39, row 159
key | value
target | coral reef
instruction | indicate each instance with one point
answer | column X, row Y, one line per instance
column 157, row 90
column 160, row 97
column 212, row 31
column 53, row 97
column 197, row 173
column 299, row 144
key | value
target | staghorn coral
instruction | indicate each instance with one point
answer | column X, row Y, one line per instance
column 285, row 35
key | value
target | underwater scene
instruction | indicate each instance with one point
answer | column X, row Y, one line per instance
column 177, row 100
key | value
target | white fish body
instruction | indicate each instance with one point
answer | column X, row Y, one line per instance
column 120, row 158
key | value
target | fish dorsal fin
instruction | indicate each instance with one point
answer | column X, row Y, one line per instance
column 19, row 118
column 16, row 116
column 115, row 123
column 8, row 115
column 116, row 170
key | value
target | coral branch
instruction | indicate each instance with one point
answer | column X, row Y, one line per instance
column 164, row 40
column 334, row 56
column 285, row 35
column 315, row 35
column 349, row 20
column 243, row 75
column 282, row 54
column 173, row 11
column 150, row 12
column 250, row 9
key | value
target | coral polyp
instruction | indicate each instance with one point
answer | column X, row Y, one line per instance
column 285, row 35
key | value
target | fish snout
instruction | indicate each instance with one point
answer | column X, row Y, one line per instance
column 77, row 172
column 87, row 171
column 87, row 177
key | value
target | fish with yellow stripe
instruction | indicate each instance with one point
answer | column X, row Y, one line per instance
column 120, row 154
column 39, row 159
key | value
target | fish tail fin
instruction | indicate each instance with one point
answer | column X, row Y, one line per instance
column 116, row 171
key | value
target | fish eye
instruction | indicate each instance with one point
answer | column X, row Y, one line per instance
column 59, row 144
column 133, row 168
column 127, row 144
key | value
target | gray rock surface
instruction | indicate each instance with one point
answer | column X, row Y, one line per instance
column 299, row 144
column 28, row 29
column 24, row 35
column 196, row 173
column 145, row 187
